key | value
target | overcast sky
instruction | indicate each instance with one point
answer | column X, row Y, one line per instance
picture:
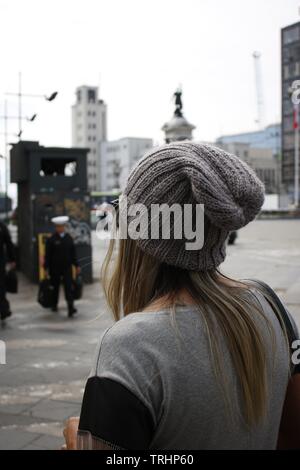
column 138, row 52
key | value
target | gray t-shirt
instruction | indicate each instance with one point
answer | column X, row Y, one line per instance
column 167, row 367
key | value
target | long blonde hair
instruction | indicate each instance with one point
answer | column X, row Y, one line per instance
column 135, row 279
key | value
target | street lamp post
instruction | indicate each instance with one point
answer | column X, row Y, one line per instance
column 20, row 118
column 20, row 95
column 5, row 117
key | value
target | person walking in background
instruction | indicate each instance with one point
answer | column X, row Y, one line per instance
column 59, row 258
column 195, row 359
column 7, row 254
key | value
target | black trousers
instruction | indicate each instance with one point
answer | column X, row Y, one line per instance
column 64, row 277
column 4, row 304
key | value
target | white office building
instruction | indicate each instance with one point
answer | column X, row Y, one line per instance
column 89, row 128
column 117, row 159
column 270, row 137
column 261, row 160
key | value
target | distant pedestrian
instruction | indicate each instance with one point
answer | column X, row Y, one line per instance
column 60, row 257
column 195, row 359
column 7, row 255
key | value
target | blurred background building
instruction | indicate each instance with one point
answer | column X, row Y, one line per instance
column 108, row 163
column 89, row 128
column 267, row 138
column 118, row 157
column 290, row 44
column 261, row 149
column 266, row 165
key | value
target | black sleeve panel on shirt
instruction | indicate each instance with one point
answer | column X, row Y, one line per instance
column 114, row 414
column 296, row 369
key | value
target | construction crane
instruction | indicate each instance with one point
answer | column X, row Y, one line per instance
column 259, row 89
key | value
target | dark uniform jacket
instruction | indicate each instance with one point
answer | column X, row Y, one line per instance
column 60, row 253
column 7, row 250
column 7, row 254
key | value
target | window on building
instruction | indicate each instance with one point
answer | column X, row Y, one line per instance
column 288, row 141
column 287, row 107
column 286, row 72
column 91, row 96
column 78, row 96
column 291, row 54
column 291, row 35
column 287, row 123
column 58, row 167
column 291, row 70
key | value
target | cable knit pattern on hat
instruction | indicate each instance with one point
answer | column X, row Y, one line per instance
column 194, row 173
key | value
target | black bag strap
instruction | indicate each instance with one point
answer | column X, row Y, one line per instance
column 284, row 317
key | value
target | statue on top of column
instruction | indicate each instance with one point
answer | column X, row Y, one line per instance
column 178, row 102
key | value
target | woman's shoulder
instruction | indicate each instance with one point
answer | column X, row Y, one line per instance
column 135, row 325
column 127, row 345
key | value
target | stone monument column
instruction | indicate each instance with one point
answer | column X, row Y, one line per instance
column 178, row 128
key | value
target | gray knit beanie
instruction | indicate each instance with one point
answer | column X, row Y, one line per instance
column 193, row 173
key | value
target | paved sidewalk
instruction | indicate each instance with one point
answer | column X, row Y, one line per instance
column 48, row 359
column 49, row 356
